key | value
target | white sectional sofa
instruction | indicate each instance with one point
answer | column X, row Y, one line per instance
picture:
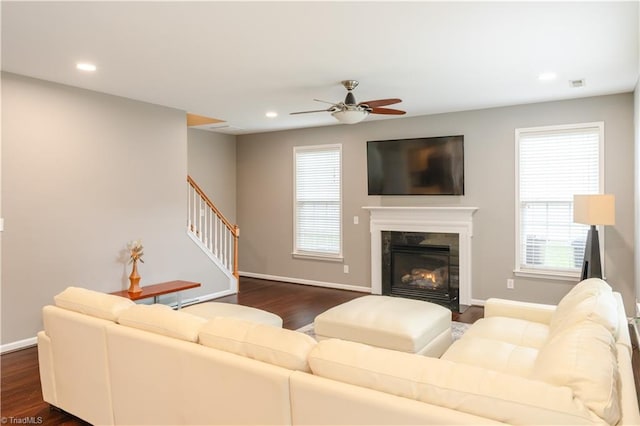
column 108, row 361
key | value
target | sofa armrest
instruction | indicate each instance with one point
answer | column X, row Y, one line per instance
column 45, row 363
column 535, row 312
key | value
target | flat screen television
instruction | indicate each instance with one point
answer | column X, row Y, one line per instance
column 420, row 166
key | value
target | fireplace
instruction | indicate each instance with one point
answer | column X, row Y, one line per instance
column 422, row 266
column 453, row 220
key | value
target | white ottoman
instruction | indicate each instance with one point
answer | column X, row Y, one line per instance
column 389, row 322
column 211, row 310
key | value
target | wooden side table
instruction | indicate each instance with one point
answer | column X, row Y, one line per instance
column 156, row 290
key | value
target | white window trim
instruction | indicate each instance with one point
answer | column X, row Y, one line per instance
column 552, row 274
column 301, row 254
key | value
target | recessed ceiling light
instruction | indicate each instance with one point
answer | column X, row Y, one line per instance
column 546, row 76
column 271, row 114
column 83, row 66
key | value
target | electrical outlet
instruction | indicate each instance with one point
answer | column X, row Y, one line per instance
column 346, row 269
column 510, row 283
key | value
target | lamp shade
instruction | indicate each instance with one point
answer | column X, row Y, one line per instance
column 350, row 116
column 594, row 209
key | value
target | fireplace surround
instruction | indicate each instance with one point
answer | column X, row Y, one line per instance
column 437, row 220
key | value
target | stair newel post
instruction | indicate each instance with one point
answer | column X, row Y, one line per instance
column 236, row 235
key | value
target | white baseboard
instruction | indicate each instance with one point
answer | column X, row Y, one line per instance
column 477, row 302
column 20, row 344
column 306, row 282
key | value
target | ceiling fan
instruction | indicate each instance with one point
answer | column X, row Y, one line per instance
column 350, row 111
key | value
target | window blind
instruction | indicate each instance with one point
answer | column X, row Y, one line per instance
column 318, row 200
column 553, row 165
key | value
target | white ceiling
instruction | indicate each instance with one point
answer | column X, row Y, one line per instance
column 237, row 60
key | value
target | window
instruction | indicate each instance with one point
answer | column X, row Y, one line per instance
column 318, row 202
column 553, row 164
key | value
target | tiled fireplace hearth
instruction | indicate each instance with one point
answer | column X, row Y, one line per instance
column 438, row 238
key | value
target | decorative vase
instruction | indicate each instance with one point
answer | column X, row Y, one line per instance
column 134, row 279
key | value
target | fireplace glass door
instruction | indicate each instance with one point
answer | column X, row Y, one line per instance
column 420, row 271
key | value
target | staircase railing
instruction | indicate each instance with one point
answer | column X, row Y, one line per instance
column 207, row 225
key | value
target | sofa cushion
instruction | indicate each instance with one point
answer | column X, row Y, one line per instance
column 210, row 310
column 584, row 358
column 493, row 355
column 591, row 299
column 262, row 342
column 534, row 312
column 510, row 330
column 161, row 319
column 479, row 391
column 93, row 303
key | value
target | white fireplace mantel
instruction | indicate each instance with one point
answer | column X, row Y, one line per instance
column 453, row 220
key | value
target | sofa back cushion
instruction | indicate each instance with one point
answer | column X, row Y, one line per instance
column 161, row 319
column 266, row 343
column 583, row 358
column 93, row 303
column 471, row 389
column 591, row 299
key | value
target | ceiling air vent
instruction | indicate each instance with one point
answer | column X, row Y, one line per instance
column 577, row 83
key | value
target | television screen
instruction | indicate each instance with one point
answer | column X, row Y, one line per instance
column 422, row 166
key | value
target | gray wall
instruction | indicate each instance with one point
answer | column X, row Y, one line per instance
column 83, row 173
column 212, row 164
column 265, row 194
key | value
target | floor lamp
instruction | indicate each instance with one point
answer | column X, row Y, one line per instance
column 594, row 209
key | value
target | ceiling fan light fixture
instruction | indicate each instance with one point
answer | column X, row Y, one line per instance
column 350, row 116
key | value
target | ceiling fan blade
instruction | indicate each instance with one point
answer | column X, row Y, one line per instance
column 326, row 102
column 307, row 112
column 389, row 111
column 381, row 102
